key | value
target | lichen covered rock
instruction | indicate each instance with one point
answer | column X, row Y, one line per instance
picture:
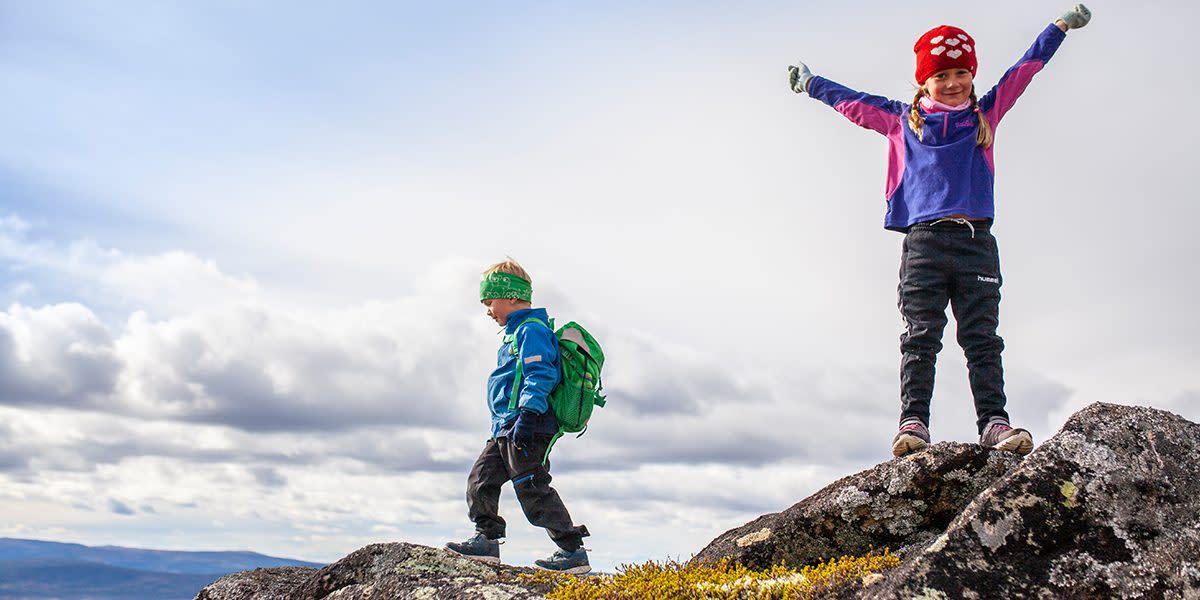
column 1107, row 508
column 384, row 571
column 259, row 584
column 900, row 504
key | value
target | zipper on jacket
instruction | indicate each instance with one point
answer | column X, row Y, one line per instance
column 945, row 123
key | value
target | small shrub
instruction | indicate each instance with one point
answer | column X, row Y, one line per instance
column 722, row 581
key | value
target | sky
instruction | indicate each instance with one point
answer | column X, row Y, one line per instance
column 240, row 245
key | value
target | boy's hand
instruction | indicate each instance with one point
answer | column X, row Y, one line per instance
column 522, row 433
column 1076, row 17
column 798, row 77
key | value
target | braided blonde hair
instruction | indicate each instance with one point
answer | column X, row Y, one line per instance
column 915, row 121
column 983, row 138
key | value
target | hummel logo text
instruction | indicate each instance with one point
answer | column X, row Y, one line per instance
column 995, row 280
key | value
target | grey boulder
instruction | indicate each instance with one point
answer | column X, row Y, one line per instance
column 383, row 571
column 1107, row 508
column 899, row 504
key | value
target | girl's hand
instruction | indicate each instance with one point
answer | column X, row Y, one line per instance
column 1075, row 18
column 798, row 77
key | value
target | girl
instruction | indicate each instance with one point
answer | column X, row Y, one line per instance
column 939, row 194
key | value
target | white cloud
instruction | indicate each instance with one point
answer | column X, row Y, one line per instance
column 13, row 223
column 55, row 355
column 168, row 283
column 264, row 369
column 248, row 367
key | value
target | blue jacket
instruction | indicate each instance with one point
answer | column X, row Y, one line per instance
column 537, row 348
column 945, row 173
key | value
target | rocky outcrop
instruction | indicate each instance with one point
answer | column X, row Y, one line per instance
column 1107, row 508
column 259, row 584
column 383, row 571
column 900, row 504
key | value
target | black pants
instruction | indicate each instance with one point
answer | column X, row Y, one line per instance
column 500, row 462
column 950, row 262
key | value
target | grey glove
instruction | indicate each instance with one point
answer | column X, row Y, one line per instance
column 798, row 77
column 1077, row 17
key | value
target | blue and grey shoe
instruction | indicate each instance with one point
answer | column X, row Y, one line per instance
column 562, row 561
column 479, row 548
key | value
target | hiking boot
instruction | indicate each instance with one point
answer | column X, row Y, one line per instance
column 1000, row 435
column 562, row 561
column 912, row 437
column 479, row 548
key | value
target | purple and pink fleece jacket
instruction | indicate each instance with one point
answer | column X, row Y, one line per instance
column 946, row 173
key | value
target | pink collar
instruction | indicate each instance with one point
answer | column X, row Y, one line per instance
column 931, row 105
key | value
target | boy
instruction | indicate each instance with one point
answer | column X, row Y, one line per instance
column 520, row 436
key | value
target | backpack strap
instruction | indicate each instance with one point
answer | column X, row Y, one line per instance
column 561, row 432
column 550, row 446
column 511, row 339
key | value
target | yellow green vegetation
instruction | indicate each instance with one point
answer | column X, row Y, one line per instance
column 721, row 581
column 1069, row 491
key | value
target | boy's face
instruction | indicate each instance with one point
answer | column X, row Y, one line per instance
column 499, row 308
column 950, row 86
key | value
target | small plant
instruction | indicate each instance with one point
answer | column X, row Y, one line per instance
column 720, row 581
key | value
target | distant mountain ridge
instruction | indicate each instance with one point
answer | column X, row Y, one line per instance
column 38, row 569
column 76, row 580
column 163, row 561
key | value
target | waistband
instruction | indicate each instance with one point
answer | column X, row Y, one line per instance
column 954, row 224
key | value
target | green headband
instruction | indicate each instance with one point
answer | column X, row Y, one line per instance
column 503, row 285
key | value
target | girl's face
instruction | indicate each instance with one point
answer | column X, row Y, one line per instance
column 950, row 86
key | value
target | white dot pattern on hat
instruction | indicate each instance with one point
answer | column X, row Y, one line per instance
column 944, row 45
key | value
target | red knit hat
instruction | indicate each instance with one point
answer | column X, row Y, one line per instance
column 944, row 47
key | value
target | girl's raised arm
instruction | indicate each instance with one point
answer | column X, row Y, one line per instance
column 997, row 102
column 1075, row 18
column 876, row 113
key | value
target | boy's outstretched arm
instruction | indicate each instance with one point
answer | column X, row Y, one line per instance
column 1075, row 18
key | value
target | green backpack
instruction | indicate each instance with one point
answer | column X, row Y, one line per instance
column 579, row 390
